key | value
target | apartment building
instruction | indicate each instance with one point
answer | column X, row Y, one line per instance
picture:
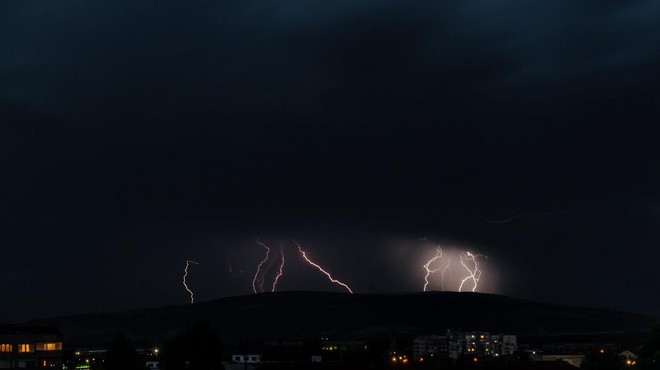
column 30, row 347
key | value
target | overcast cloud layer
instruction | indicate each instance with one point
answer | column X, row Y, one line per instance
column 135, row 135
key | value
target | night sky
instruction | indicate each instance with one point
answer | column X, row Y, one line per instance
column 135, row 135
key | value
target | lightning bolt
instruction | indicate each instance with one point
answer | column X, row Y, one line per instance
column 185, row 274
column 475, row 274
column 333, row 280
column 256, row 274
column 438, row 254
column 442, row 274
column 280, row 270
column 262, row 279
column 514, row 217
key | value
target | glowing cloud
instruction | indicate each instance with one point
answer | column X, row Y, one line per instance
column 442, row 273
column 446, row 265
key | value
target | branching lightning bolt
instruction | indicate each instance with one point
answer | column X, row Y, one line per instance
column 262, row 279
column 280, row 271
column 438, row 254
column 304, row 255
column 185, row 274
column 473, row 274
column 256, row 274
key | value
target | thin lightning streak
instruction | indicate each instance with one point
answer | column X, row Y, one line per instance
column 503, row 221
column 262, row 279
column 321, row 269
column 475, row 274
column 185, row 274
column 513, row 218
column 438, row 254
column 256, row 274
column 280, row 271
column 442, row 274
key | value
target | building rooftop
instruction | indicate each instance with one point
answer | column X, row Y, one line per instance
column 30, row 330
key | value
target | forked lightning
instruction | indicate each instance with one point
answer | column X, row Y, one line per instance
column 473, row 274
column 257, row 275
column 185, row 285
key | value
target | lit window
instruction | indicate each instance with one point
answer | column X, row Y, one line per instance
column 6, row 348
column 53, row 346
column 25, row 348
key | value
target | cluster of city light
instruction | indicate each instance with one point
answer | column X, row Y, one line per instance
column 402, row 359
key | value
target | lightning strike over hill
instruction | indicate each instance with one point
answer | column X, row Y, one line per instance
column 438, row 254
column 442, row 274
column 262, row 278
column 256, row 274
column 280, row 271
column 185, row 285
column 474, row 274
column 333, row 280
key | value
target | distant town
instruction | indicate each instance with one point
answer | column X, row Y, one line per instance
column 200, row 347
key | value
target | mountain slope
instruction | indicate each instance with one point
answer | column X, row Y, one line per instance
column 294, row 315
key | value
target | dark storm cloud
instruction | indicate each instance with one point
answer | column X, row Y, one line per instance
column 286, row 57
column 130, row 128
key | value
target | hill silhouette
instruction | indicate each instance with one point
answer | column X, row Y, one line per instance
column 298, row 315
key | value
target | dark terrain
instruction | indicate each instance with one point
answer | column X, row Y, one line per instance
column 300, row 315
